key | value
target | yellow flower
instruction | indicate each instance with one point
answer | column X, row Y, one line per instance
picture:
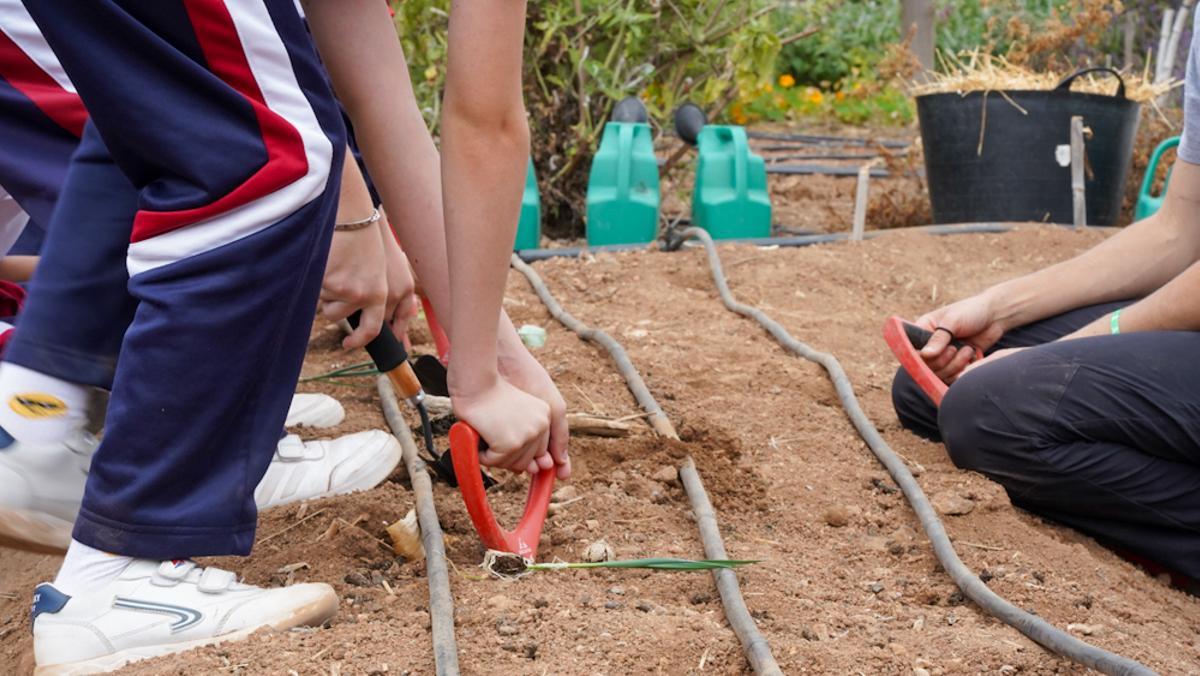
column 787, row 81
column 816, row 98
column 431, row 73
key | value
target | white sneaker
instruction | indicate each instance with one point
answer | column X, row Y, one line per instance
column 41, row 487
column 156, row 609
column 303, row 470
column 314, row 410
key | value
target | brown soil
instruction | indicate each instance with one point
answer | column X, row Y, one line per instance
column 781, row 463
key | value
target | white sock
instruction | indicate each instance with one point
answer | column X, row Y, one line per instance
column 39, row 409
column 85, row 569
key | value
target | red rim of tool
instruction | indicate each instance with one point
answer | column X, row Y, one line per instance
column 464, row 451
column 910, row 359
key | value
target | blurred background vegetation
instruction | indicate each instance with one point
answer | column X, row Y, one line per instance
column 820, row 62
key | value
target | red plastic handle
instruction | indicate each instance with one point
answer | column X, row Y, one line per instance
column 464, row 451
column 897, row 340
column 439, row 336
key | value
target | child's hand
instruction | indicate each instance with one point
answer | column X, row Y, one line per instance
column 520, row 368
column 516, row 425
column 356, row 279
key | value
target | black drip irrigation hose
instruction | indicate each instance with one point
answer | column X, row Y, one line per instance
column 441, row 601
column 972, row 587
column 534, row 255
column 754, row 644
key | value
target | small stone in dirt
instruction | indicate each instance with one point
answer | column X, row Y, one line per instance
column 986, row 576
column 565, row 493
column 699, row 597
column 505, row 628
column 613, row 605
column 540, row 602
column 500, row 602
column 357, row 579
column 616, row 591
column 1085, row 629
column 598, row 551
column 1008, row 669
column 837, row 516
column 531, row 650
column 809, row 634
column 592, row 524
column 1039, row 576
column 666, row 474
column 644, row 606
column 920, row 672
column 1085, row 601
column 951, row 620
column 949, row 503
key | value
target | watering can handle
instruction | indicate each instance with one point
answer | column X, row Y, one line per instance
column 465, row 446
column 1068, row 80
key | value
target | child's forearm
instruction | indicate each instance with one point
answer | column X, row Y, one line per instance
column 366, row 62
column 485, row 146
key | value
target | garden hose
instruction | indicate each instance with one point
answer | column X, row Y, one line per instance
column 1037, row 629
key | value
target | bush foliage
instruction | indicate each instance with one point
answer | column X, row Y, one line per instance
column 582, row 56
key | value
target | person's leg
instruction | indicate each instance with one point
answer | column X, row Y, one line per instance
column 217, row 112
column 234, row 152
column 918, row 414
column 1101, row 434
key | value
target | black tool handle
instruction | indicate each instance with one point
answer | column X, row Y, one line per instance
column 919, row 337
column 386, row 350
column 689, row 120
column 1067, row 81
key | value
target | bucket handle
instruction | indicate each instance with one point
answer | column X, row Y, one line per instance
column 1068, row 80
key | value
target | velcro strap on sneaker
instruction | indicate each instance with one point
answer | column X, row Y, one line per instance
column 171, row 573
column 290, row 448
column 215, row 580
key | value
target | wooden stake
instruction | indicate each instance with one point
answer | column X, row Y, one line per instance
column 1078, row 172
column 861, row 199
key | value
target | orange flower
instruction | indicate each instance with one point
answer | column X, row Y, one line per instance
column 816, row 97
column 787, row 81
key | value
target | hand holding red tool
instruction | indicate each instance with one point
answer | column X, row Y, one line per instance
column 906, row 341
column 465, row 447
column 460, row 467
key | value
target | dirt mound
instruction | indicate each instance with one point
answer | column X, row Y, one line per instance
column 847, row 583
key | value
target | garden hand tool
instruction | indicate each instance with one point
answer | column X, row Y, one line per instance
column 391, row 359
column 430, row 370
column 906, row 341
column 465, row 447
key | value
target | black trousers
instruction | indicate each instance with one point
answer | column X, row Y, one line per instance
column 1101, row 434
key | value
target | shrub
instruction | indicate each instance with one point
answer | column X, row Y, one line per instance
column 582, row 56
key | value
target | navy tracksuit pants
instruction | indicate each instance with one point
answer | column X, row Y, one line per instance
column 1101, row 434
column 215, row 146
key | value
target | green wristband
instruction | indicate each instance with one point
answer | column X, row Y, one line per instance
column 1114, row 323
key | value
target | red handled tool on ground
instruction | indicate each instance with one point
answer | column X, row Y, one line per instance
column 465, row 447
column 391, row 358
column 906, row 341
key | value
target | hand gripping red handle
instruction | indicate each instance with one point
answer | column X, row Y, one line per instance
column 897, row 339
column 464, row 451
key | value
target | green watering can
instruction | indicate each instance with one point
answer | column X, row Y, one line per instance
column 529, row 229
column 1147, row 203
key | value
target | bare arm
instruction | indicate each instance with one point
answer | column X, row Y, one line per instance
column 1148, row 257
column 1133, row 263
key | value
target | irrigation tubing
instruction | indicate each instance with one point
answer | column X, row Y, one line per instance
column 534, row 255
column 754, row 644
column 1032, row 626
column 441, row 602
column 658, row 419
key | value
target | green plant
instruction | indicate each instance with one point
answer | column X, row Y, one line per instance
column 582, row 56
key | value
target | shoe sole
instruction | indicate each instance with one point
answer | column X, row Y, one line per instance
column 34, row 531
column 313, row 614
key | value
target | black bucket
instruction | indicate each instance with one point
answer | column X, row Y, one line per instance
column 1007, row 165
